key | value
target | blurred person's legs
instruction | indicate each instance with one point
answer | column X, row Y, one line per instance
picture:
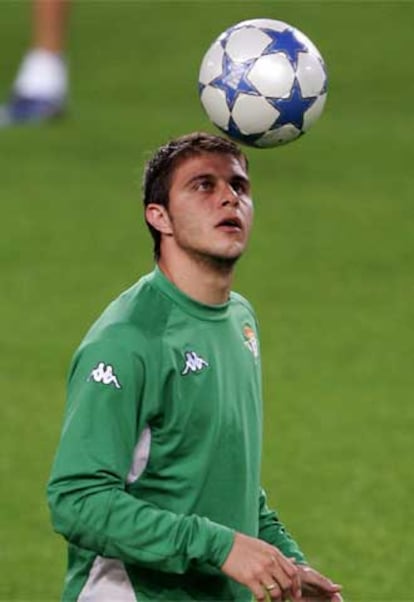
column 40, row 89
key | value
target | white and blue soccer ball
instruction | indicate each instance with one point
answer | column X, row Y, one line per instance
column 263, row 83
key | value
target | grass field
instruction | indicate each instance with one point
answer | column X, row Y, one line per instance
column 329, row 270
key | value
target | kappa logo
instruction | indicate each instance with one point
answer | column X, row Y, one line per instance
column 193, row 363
column 104, row 374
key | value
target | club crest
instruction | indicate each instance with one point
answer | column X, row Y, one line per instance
column 250, row 340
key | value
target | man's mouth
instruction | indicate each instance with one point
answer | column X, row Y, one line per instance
column 230, row 223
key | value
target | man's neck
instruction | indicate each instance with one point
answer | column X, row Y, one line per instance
column 204, row 281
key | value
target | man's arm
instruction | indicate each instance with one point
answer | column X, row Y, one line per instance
column 87, row 493
column 272, row 530
column 88, row 496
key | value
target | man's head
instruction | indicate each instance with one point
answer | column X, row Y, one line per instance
column 161, row 167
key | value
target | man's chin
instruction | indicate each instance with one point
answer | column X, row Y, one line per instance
column 230, row 254
column 227, row 261
column 219, row 261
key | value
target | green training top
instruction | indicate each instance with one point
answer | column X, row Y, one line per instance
column 159, row 458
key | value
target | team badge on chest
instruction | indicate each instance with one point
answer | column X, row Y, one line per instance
column 250, row 340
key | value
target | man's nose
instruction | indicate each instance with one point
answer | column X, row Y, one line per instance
column 229, row 196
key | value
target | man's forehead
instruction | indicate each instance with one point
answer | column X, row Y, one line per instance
column 210, row 162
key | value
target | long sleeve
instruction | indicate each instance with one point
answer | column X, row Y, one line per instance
column 88, row 493
column 273, row 531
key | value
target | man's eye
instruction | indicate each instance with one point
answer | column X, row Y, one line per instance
column 204, row 185
column 239, row 187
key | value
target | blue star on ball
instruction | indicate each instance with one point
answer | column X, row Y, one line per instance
column 233, row 80
column 293, row 108
column 284, row 41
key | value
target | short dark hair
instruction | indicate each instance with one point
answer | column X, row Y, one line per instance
column 159, row 169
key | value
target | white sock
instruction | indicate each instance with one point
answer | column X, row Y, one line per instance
column 42, row 74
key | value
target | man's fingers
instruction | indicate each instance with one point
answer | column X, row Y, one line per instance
column 322, row 598
column 278, row 574
column 261, row 567
column 287, row 575
column 311, row 579
column 273, row 590
column 276, row 578
column 261, row 592
column 282, row 580
column 287, row 565
column 296, row 588
column 258, row 593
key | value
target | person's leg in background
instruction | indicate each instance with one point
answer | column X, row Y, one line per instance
column 40, row 88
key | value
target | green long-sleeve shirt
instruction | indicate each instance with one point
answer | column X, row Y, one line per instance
column 159, row 459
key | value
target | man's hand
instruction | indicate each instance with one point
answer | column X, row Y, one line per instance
column 315, row 587
column 262, row 568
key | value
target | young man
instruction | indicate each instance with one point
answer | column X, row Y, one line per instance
column 156, row 481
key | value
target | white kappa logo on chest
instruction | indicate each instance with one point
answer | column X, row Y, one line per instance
column 193, row 363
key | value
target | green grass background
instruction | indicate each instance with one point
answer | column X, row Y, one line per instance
column 329, row 270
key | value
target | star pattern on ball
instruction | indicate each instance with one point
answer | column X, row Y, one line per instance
column 284, row 41
column 234, row 132
column 233, row 80
column 223, row 38
column 292, row 109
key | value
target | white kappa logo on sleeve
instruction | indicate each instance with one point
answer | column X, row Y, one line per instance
column 104, row 374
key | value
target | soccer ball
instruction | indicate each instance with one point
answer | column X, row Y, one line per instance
column 263, row 83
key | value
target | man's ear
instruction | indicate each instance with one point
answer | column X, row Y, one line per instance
column 157, row 216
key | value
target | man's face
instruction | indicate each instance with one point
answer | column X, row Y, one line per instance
column 210, row 208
